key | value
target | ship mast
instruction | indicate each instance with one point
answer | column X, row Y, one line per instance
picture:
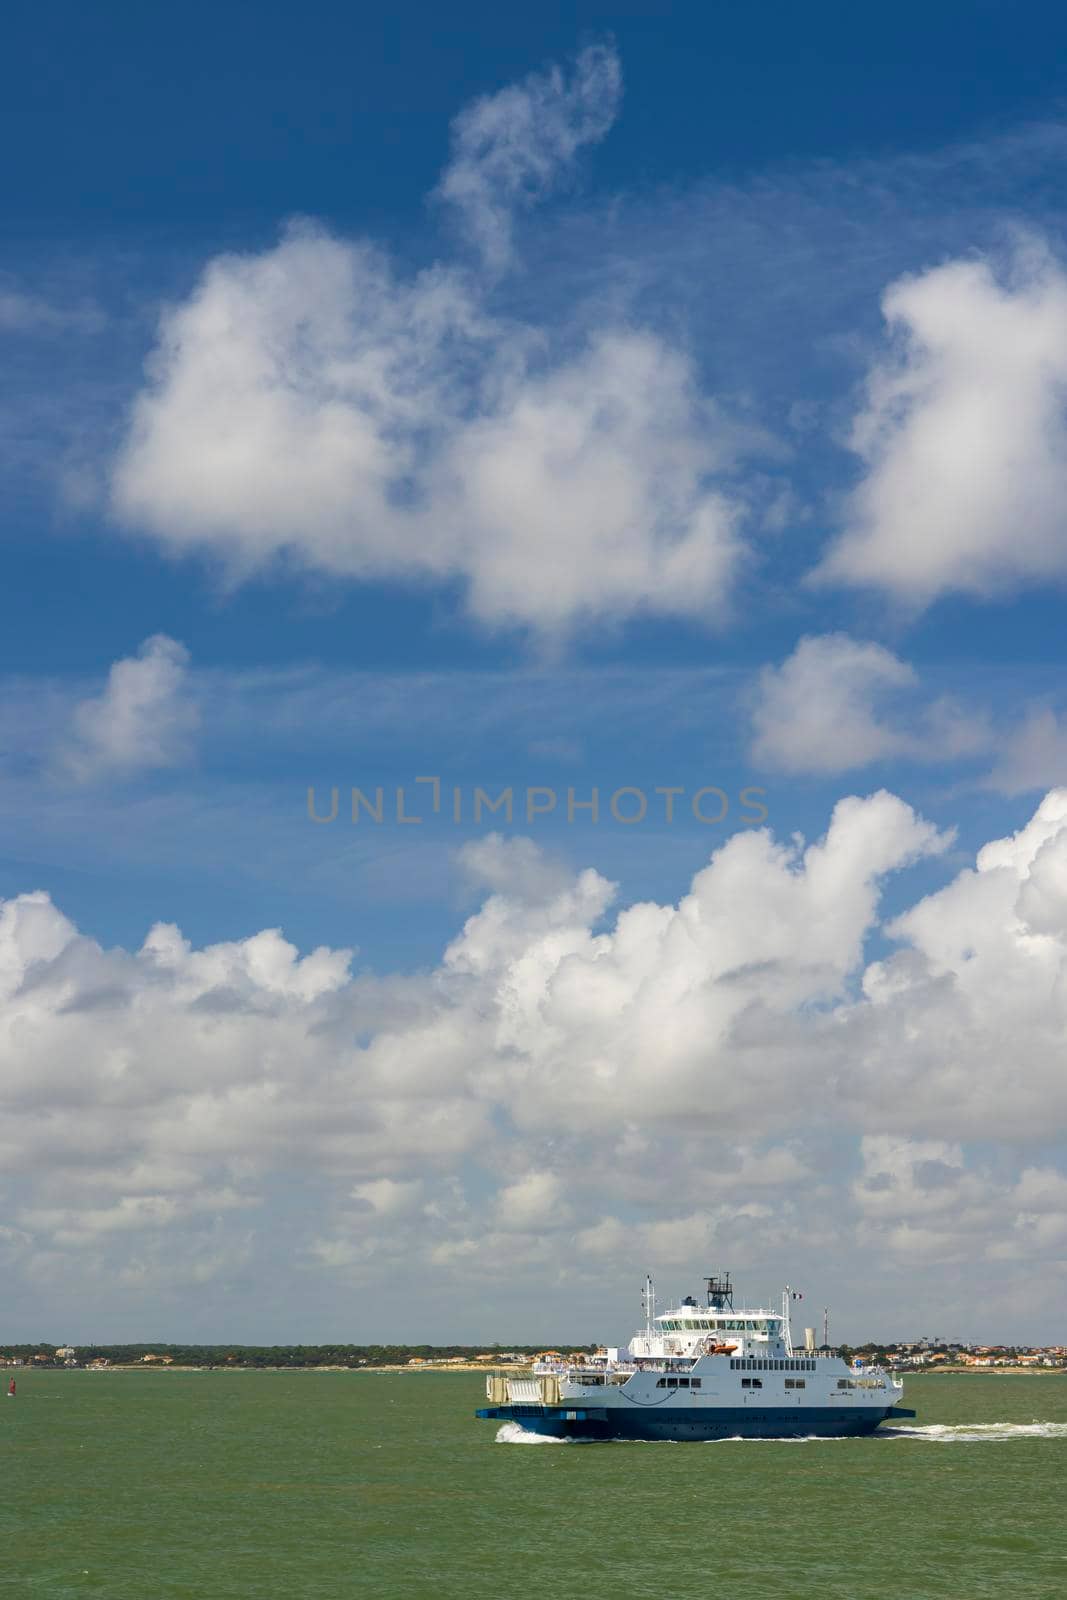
column 649, row 1298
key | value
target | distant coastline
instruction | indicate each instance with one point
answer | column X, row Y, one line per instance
column 403, row 1368
column 912, row 1361
column 987, row 1372
column 128, row 1357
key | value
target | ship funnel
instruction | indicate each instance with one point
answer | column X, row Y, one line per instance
column 809, row 1340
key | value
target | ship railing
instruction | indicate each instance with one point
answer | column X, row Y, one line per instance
column 597, row 1374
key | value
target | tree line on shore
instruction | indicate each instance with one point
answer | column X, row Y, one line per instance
column 274, row 1355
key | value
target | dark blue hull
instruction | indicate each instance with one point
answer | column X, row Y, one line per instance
column 692, row 1423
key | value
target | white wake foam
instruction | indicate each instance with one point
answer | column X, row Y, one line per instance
column 977, row 1432
column 930, row 1433
column 511, row 1433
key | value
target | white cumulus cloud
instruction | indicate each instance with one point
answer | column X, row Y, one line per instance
column 144, row 718
column 311, row 405
column 837, row 704
column 963, row 435
column 572, row 1083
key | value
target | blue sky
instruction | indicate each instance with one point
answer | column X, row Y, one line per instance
column 623, row 402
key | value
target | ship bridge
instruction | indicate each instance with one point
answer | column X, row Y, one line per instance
column 690, row 1329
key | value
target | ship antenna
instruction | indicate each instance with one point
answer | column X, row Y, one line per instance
column 720, row 1293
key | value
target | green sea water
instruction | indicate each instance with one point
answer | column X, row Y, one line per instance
column 318, row 1486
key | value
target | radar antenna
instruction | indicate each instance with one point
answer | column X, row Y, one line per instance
column 720, row 1293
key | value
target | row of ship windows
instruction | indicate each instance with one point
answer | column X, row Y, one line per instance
column 790, row 1383
column 719, row 1324
column 746, row 1383
column 785, row 1365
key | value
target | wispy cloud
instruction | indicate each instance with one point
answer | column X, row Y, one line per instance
column 27, row 312
column 510, row 149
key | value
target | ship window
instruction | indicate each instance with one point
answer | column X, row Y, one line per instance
column 672, row 1383
column 752, row 1383
column 844, row 1383
column 694, row 1383
column 661, row 1383
column 733, row 1366
column 683, row 1383
column 795, row 1383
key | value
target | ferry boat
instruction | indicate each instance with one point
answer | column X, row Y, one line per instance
column 700, row 1372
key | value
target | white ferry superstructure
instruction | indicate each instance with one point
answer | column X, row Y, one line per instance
column 699, row 1372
